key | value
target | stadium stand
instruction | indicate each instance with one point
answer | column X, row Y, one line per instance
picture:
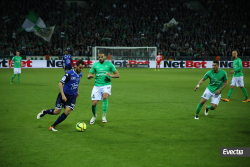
column 205, row 29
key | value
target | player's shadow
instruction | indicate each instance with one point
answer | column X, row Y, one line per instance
column 214, row 117
column 99, row 123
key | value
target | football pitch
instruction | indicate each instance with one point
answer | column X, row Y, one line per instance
column 150, row 122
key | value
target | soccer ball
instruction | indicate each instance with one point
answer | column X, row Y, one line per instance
column 81, row 126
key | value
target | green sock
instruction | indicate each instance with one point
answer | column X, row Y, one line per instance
column 13, row 76
column 94, row 110
column 105, row 107
column 210, row 107
column 198, row 108
column 230, row 93
column 245, row 92
column 18, row 78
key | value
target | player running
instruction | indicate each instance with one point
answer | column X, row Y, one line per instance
column 68, row 63
column 237, row 79
column 102, row 86
column 67, row 96
column 158, row 61
column 218, row 81
column 17, row 67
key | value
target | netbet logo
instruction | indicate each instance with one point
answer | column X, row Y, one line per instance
column 6, row 63
column 232, row 152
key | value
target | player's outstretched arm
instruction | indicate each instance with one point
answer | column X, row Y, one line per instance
column 116, row 74
column 90, row 76
column 199, row 83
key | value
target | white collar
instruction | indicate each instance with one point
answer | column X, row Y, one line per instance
column 76, row 73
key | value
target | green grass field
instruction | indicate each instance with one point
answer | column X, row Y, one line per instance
column 150, row 122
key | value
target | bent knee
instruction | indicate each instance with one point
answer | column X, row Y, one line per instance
column 231, row 86
column 67, row 110
column 94, row 103
column 213, row 107
column 57, row 111
column 203, row 101
column 105, row 96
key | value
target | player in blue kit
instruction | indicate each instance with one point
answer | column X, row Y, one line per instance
column 67, row 96
column 67, row 62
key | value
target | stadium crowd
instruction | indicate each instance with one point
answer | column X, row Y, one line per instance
column 215, row 30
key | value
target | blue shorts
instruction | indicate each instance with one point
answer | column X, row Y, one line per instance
column 67, row 68
column 71, row 101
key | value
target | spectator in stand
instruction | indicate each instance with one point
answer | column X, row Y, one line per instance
column 217, row 58
column 126, row 21
column 109, row 56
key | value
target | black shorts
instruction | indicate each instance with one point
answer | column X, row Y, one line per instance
column 67, row 68
column 71, row 101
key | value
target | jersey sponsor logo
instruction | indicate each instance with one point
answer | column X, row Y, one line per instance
column 67, row 61
column 101, row 74
column 73, row 78
column 215, row 81
column 74, row 86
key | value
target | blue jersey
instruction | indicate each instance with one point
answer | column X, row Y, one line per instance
column 67, row 60
column 71, row 82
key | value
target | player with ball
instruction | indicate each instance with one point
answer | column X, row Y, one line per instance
column 67, row 96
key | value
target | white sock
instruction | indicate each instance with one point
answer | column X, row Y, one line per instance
column 104, row 115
